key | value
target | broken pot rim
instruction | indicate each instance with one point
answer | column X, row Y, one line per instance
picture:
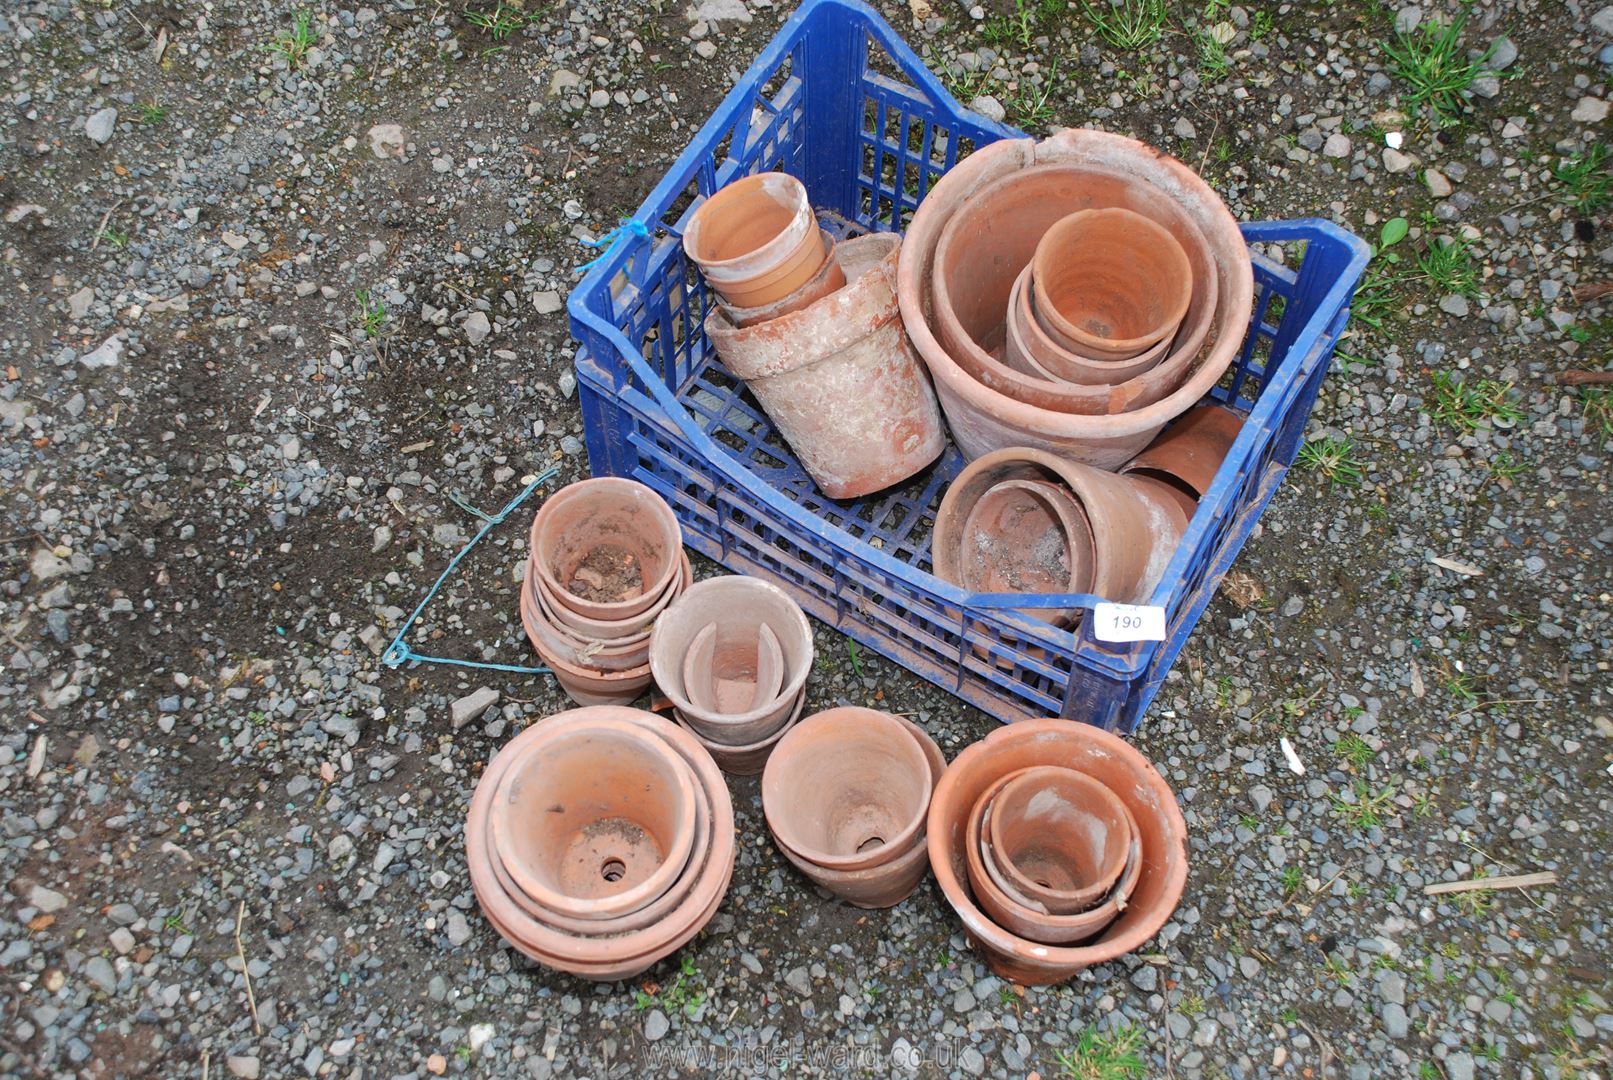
column 767, row 643
column 1205, row 424
column 540, row 538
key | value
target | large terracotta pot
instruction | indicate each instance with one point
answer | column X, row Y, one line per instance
column 984, row 417
column 756, row 240
column 1135, row 527
column 740, row 605
column 1110, row 284
column 847, row 789
column 840, row 380
column 589, row 540
column 1160, row 828
column 1189, row 453
column 1028, row 347
column 1060, row 838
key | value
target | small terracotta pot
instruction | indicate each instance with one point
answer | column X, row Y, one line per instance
column 1027, row 536
column 740, row 605
column 889, row 883
column 839, row 378
column 750, row 759
column 829, row 278
column 618, row 522
column 587, row 686
column 1028, row 347
column 733, row 673
column 1110, row 284
column 847, row 789
column 1189, row 453
column 581, row 626
column 1060, row 837
column 1161, row 831
column 1135, row 529
column 756, row 240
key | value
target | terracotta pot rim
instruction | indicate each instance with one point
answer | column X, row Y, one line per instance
column 1077, row 530
column 741, row 269
column 1043, row 352
column 1204, row 426
column 540, row 537
column 715, row 747
column 607, row 658
column 589, row 630
column 1058, row 901
column 828, row 279
column 770, row 667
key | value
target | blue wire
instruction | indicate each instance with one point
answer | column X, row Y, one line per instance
column 630, row 227
column 398, row 653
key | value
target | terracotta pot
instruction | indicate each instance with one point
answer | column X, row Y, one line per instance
column 889, row 883
column 1161, row 831
column 1110, row 284
column 620, row 955
column 1027, row 536
column 1135, row 528
column 756, row 240
column 751, row 758
column 595, row 820
column 1060, row 837
column 980, row 256
column 620, row 654
column 1189, row 453
column 588, row 686
column 847, row 789
column 732, row 673
column 1029, row 348
column 839, row 378
column 982, row 415
column 595, row 536
column 581, row 626
column 828, row 279
column 740, row 605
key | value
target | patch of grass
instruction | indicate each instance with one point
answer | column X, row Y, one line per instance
column 1250, row 822
column 293, row 45
column 499, row 22
column 1337, row 969
column 1214, row 63
column 851, row 653
column 151, row 113
column 1462, row 686
column 1596, row 406
column 1103, row 1057
column 1289, row 879
column 1504, row 465
column 114, row 236
column 1017, row 27
column 1434, row 63
column 1448, row 265
column 1192, row 1005
column 1354, row 749
column 1260, row 25
column 1128, row 25
column 1334, row 459
column 683, row 994
column 370, row 314
column 1467, row 404
column 1586, row 182
column 1367, row 809
column 1031, row 106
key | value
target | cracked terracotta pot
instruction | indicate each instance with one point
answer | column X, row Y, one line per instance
column 981, row 413
column 610, row 652
column 1135, row 528
column 740, row 605
column 1027, row 347
column 1189, row 453
column 1160, row 829
column 1110, row 284
column 606, row 548
column 616, row 952
column 1027, row 536
column 847, row 789
column 756, row 239
column 1059, row 837
column 840, row 380
column 731, row 672
column 830, row 277
column 751, row 758
column 889, row 883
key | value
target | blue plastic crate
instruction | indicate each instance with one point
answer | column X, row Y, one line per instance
column 840, row 102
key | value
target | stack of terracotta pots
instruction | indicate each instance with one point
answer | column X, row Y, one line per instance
column 815, row 332
column 600, row 840
column 1073, row 296
column 732, row 654
column 1058, row 845
column 607, row 559
column 847, row 798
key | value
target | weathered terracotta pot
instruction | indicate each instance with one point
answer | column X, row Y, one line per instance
column 614, row 955
column 830, row 277
column 751, row 758
column 1028, row 536
column 625, row 655
column 1189, row 453
column 1059, row 837
column 589, row 686
column 591, row 539
column 847, row 789
column 740, row 605
column 1161, row 831
column 581, row 626
column 889, row 883
column 981, row 414
column 1028, row 347
column 839, row 378
column 756, row 240
column 730, row 671
column 1135, row 528
column 1110, row 284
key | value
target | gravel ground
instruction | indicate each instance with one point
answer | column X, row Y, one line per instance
column 280, row 292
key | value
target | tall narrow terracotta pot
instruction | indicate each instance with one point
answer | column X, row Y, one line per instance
column 830, row 277
column 590, row 540
column 1161, row 831
column 756, row 240
column 839, row 378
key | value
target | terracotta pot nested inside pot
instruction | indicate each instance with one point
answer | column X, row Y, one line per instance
column 1027, row 536
column 606, row 548
column 1110, row 284
column 756, row 240
column 1027, row 347
column 847, row 789
column 748, row 759
column 1060, row 838
column 731, row 670
column 591, row 686
column 829, row 278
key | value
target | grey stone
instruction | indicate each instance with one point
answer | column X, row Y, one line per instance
column 243, row 1066
column 98, row 969
column 101, row 125
column 1459, row 1066
column 656, row 1025
column 472, row 705
column 1395, row 1023
column 798, row 980
column 477, row 327
column 1590, row 110
column 46, row 900
column 1337, row 146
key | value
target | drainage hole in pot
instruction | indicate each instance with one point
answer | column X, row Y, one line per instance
column 870, row 844
column 613, row 870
